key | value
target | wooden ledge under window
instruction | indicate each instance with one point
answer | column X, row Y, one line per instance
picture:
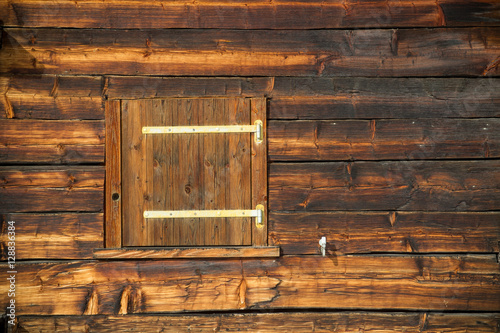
column 188, row 252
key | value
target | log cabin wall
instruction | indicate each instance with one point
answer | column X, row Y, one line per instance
column 383, row 137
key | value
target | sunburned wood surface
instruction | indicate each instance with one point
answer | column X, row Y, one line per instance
column 371, row 232
column 372, row 52
column 348, row 322
column 54, row 236
column 383, row 139
column 406, row 186
column 453, row 283
column 255, row 14
column 26, row 189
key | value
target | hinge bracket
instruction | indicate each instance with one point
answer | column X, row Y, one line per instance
column 255, row 128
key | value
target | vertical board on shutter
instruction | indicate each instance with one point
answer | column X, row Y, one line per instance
column 136, row 197
column 239, row 182
column 113, row 175
column 259, row 171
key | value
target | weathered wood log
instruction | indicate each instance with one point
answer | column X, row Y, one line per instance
column 188, row 252
column 348, row 322
column 53, row 236
column 354, row 232
column 52, row 85
column 255, row 14
column 384, row 139
column 36, row 107
column 369, row 53
column 407, row 186
column 51, row 97
column 51, row 154
column 372, row 98
column 46, row 132
column 51, row 189
column 132, row 87
column 454, row 283
column 61, row 141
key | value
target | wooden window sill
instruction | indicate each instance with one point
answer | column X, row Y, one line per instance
column 187, row 252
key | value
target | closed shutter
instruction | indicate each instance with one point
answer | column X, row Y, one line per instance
column 196, row 172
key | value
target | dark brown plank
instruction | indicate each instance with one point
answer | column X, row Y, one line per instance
column 384, row 139
column 53, row 236
column 249, row 14
column 36, row 107
column 52, row 85
column 365, row 52
column 47, row 141
column 453, row 283
column 51, row 154
column 51, row 132
column 44, row 189
column 372, row 98
column 348, row 322
column 188, row 252
column 406, row 186
column 113, row 189
column 416, row 232
column 158, row 87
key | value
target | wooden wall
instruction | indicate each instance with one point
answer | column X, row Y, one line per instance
column 383, row 137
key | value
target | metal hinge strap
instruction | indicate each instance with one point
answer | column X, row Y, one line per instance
column 255, row 128
column 173, row 214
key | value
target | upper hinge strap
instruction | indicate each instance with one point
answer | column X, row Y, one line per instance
column 255, row 128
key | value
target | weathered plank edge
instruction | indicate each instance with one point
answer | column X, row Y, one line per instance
column 188, row 252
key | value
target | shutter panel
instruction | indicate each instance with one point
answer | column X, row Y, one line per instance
column 187, row 172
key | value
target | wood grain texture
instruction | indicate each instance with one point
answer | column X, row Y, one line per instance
column 454, row 283
column 54, row 236
column 30, row 141
column 368, row 52
column 51, row 154
column 255, row 14
column 372, row 232
column 406, row 186
column 383, row 139
column 186, row 252
column 136, row 87
column 301, row 322
column 375, row 98
column 68, row 189
column 113, row 188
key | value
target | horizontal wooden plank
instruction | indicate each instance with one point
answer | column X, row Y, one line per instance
column 184, row 252
column 372, row 98
column 365, row 52
column 36, row 107
column 256, row 14
column 53, row 236
column 52, row 85
column 45, row 176
column 406, row 186
column 383, row 139
column 133, row 87
column 52, row 154
column 354, row 232
column 23, row 199
column 348, row 322
column 46, row 132
column 453, row 283
column 48, row 189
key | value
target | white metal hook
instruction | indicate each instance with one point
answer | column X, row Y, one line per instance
column 322, row 244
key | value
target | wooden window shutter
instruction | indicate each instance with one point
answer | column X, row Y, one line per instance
column 200, row 172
